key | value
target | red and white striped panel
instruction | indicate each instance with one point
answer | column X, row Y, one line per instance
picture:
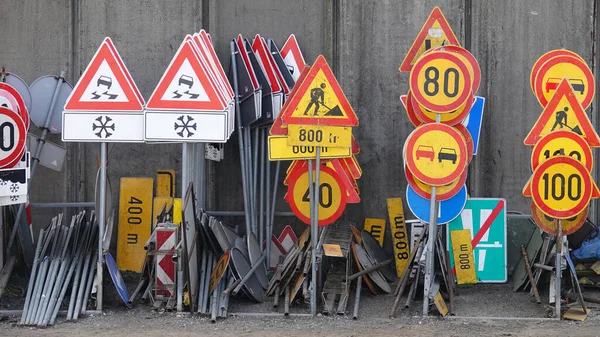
column 166, row 240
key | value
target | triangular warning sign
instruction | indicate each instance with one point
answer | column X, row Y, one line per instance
column 186, row 85
column 435, row 32
column 278, row 129
column 319, row 100
column 564, row 111
column 105, row 85
column 292, row 56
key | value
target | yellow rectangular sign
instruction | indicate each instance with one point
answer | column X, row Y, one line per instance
column 399, row 234
column 464, row 262
column 320, row 135
column 440, row 304
column 280, row 150
column 377, row 228
column 135, row 221
column 332, row 250
column 165, row 183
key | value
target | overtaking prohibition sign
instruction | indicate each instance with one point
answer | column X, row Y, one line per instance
column 440, row 82
column 436, row 154
column 561, row 187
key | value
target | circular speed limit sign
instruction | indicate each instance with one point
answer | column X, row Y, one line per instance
column 12, row 137
column 561, row 187
column 440, row 82
column 332, row 195
column 548, row 225
column 562, row 143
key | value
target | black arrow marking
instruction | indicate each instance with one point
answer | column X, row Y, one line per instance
column 177, row 94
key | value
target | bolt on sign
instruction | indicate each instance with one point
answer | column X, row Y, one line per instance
column 435, row 32
column 485, row 218
column 462, row 252
column 105, row 104
column 399, row 234
column 135, row 221
column 376, row 227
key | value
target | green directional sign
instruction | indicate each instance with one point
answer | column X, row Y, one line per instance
column 486, row 219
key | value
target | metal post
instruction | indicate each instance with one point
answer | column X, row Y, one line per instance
column 261, row 215
column 185, row 180
column 246, row 277
column 430, row 252
column 357, row 298
column 272, row 215
column 238, row 119
column 248, row 145
column 315, row 233
column 101, row 224
column 33, row 275
column 313, row 305
column 255, row 181
column 270, row 208
column 36, row 158
column 558, row 267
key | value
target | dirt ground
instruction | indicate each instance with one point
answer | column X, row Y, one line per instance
column 483, row 300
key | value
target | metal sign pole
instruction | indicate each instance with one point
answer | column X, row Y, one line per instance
column 558, row 267
column 101, row 223
column 315, row 233
column 313, row 304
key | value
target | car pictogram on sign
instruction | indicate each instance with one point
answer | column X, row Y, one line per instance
column 425, row 151
column 185, row 79
column 576, row 83
column 105, row 81
column 447, row 153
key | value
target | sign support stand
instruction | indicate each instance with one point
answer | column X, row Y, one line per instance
column 430, row 256
column 101, row 223
column 558, row 267
column 314, row 228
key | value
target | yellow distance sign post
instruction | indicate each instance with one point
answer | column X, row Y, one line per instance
column 464, row 261
column 280, row 150
column 440, row 82
column 319, row 135
column 332, row 196
column 376, row 227
column 399, row 234
column 135, row 221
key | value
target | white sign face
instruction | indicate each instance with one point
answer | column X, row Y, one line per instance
column 102, row 127
column 187, row 126
column 185, row 86
column 13, row 200
column 13, row 182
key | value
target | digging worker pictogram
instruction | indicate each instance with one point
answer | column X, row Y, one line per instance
column 561, row 119
column 317, row 97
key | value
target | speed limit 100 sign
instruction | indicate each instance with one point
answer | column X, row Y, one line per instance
column 561, row 187
column 440, row 82
column 12, row 137
column 332, row 195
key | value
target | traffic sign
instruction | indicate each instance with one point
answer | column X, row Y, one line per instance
column 399, row 234
column 470, row 61
column 452, row 118
column 548, row 224
column 320, row 135
column 12, row 99
column 292, row 56
column 41, row 98
column 573, row 68
column 332, row 195
column 561, row 187
column 443, row 192
column 278, row 128
column 12, row 137
column 448, row 209
column 135, row 222
column 319, row 100
column 436, row 154
column 348, row 181
column 562, row 143
column 280, row 150
column 563, row 111
column 462, row 251
column 468, row 140
column 485, row 218
column 473, row 121
column 186, row 126
column 410, row 110
column 283, row 72
column 186, row 85
column 266, row 62
column 543, row 59
column 435, row 32
column 102, row 127
column 105, row 85
column 117, row 279
column 218, row 271
column 440, row 82
column 375, row 227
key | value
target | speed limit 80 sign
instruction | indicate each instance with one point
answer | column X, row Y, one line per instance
column 440, row 82
column 561, row 187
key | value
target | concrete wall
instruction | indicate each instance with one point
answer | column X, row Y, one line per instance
column 364, row 41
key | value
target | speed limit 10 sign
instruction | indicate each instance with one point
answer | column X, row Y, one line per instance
column 440, row 82
column 12, row 137
column 332, row 195
column 561, row 187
